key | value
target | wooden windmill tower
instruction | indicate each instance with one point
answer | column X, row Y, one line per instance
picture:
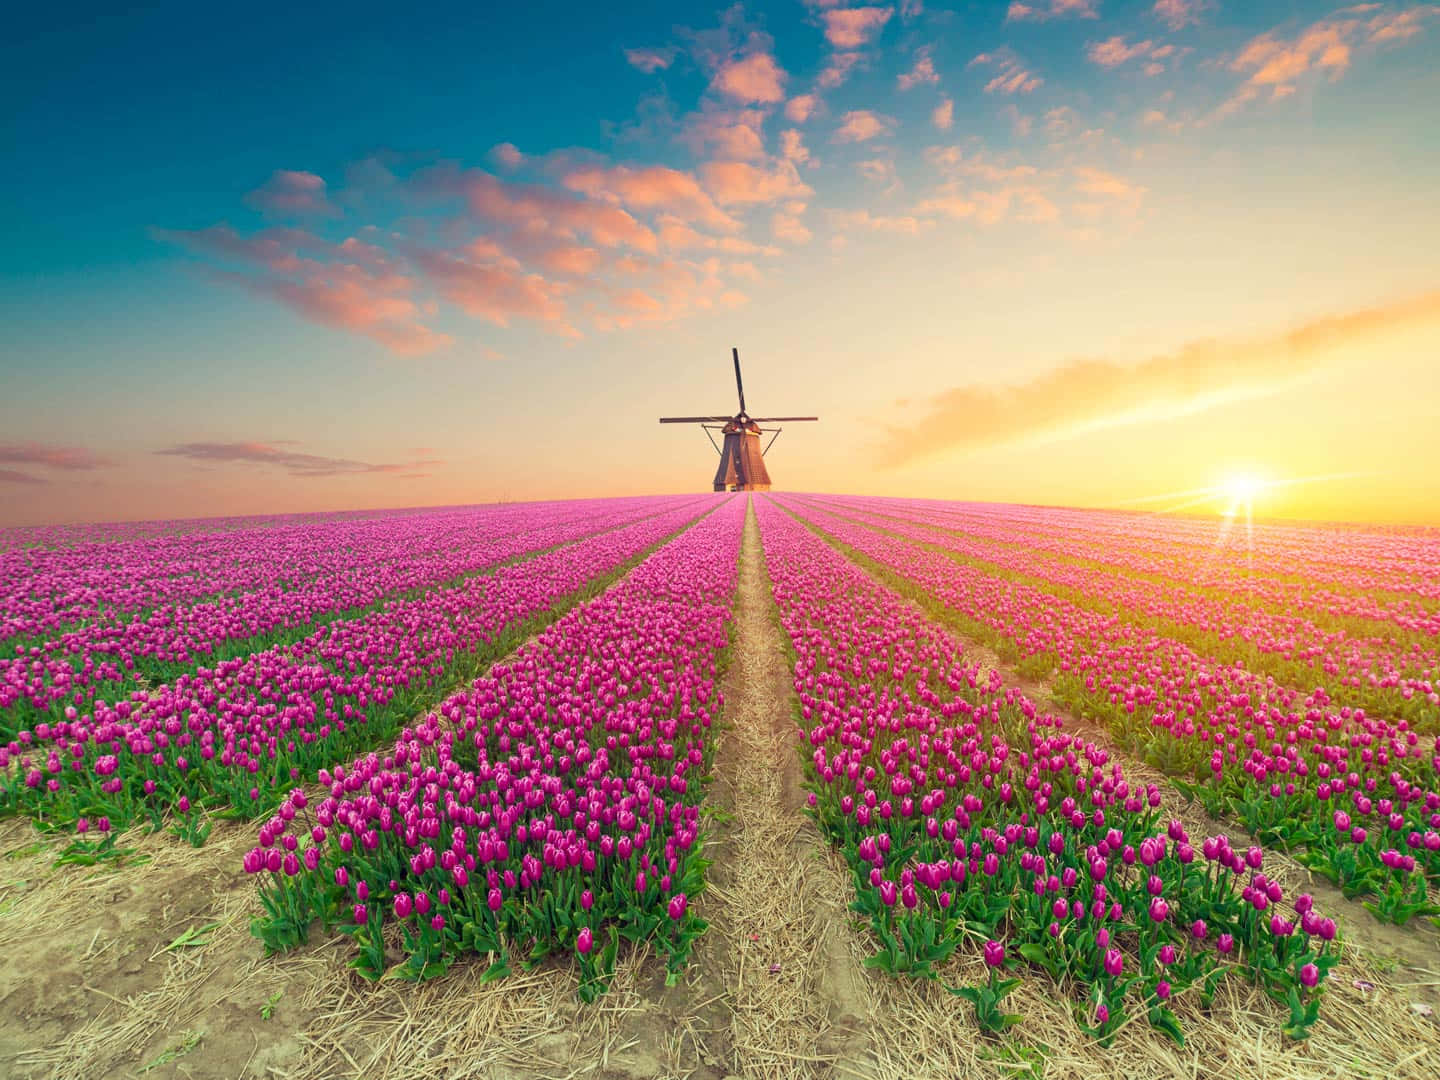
column 742, row 460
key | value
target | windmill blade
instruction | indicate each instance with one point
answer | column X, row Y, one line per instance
column 694, row 419
column 780, row 419
column 739, row 386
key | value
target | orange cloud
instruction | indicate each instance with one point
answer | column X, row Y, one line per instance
column 507, row 155
column 346, row 303
column 494, row 291
column 650, row 60
column 799, row 109
column 651, row 188
column 1112, row 52
column 15, row 476
column 292, row 194
column 671, row 289
column 304, row 466
column 1274, row 63
column 68, row 458
column 734, row 134
column 569, row 260
column 1055, row 9
column 792, row 147
column 861, row 125
column 837, row 70
column 943, row 115
column 677, row 235
column 738, row 182
column 880, row 171
column 1088, row 394
column 352, row 286
column 922, row 73
column 850, row 28
column 1094, row 181
column 789, row 228
column 756, row 79
column 1177, row 14
column 1012, row 77
column 850, row 220
column 539, row 209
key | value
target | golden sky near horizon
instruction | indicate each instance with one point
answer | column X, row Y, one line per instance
column 1100, row 255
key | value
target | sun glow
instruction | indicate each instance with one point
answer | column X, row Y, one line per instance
column 1241, row 490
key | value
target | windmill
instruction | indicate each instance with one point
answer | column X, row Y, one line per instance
column 742, row 460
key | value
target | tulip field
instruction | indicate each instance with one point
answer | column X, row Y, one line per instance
column 1070, row 774
column 1351, row 791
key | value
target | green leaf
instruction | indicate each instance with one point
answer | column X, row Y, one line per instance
column 498, row 970
column 196, row 937
column 1162, row 1019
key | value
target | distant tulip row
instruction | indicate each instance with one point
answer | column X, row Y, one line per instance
column 1352, row 796
column 964, row 812
column 1393, row 563
column 1377, row 667
column 56, row 578
column 234, row 737
column 554, row 805
column 283, row 585
column 1258, row 563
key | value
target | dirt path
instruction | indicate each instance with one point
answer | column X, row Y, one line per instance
column 799, row 1004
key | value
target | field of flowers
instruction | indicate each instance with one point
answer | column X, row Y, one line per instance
column 554, row 803
column 1352, row 792
column 968, row 814
column 487, row 735
column 235, row 735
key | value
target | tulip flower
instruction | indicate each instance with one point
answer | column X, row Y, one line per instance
column 994, row 954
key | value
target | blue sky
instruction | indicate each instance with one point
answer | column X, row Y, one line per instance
column 351, row 232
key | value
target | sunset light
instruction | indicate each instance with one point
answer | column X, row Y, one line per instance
column 1241, row 490
column 866, row 538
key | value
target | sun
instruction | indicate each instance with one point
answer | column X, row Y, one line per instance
column 1242, row 488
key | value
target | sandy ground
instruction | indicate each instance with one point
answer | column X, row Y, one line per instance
column 91, row 986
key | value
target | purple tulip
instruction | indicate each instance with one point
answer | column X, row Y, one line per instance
column 1114, row 962
column 994, row 953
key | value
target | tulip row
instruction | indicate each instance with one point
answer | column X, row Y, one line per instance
column 1287, row 766
column 1396, row 674
column 1221, row 563
column 284, row 598
column 1399, row 561
column 965, row 813
column 121, row 571
column 233, row 737
column 551, row 806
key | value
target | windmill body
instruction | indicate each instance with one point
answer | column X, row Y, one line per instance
column 742, row 458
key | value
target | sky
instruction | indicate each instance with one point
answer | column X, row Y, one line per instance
column 1074, row 252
